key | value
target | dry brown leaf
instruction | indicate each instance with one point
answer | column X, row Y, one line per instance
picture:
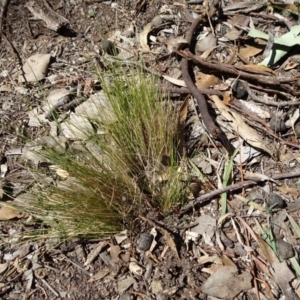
column 266, row 251
column 3, row 267
column 175, row 44
column 287, row 6
column 239, row 126
column 227, row 261
column 259, row 68
column 100, row 274
column 144, row 37
column 115, row 252
column 286, row 190
column 175, row 81
column 59, row 171
column 206, row 53
column 255, row 109
column 210, row 259
column 35, row 68
column 205, row 81
column 283, row 276
column 183, row 112
column 227, row 97
column 8, row 213
column 233, row 34
column 95, row 252
column 167, row 236
column 290, row 65
column 250, row 51
column 227, row 283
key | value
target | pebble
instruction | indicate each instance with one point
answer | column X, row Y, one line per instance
column 109, row 47
column 144, row 242
column 239, row 91
column 284, row 249
column 275, row 201
column 157, row 21
column 277, row 124
column 208, row 42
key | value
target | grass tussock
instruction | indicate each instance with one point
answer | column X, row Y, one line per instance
column 127, row 164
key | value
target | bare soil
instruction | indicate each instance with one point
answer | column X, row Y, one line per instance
column 51, row 269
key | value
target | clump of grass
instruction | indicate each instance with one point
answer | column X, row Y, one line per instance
column 128, row 163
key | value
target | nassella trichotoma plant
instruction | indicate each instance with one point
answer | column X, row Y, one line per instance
column 127, row 163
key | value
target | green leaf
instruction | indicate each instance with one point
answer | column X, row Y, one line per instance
column 281, row 46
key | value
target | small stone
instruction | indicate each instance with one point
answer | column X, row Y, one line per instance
column 277, row 124
column 297, row 130
column 208, row 42
column 284, row 249
column 145, row 241
column 124, row 284
column 275, row 201
column 239, row 91
column 109, row 47
column 157, row 21
column 126, row 296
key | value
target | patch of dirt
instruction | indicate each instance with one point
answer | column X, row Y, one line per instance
column 258, row 112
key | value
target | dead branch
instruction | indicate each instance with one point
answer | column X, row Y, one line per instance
column 243, row 73
column 208, row 121
column 53, row 20
column 233, row 187
column 2, row 13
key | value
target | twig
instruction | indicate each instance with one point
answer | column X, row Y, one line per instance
column 50, row 287
column 236, row 186
column 243, row 73
column 212, row 194
column 53, row 20
column 271, row 103
column 17, row 57
column 208, row 121
column 183, row 90
column 77, row 265
column 2, row 13
column 265, row 127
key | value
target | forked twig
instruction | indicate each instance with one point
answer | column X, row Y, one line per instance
column 208, row 121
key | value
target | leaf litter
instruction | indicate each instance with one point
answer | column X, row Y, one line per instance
column 234, row 251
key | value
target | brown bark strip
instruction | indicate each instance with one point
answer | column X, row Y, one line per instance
column 242, row 73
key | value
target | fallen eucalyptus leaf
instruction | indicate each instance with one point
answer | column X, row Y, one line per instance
column 227, row 283
column 175, row 81
column 8, row 213
column 281, row 45
column 35, row 68
column 144, row 37
column 239, row 126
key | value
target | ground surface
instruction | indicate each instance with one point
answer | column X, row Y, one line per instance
column 206, row 261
